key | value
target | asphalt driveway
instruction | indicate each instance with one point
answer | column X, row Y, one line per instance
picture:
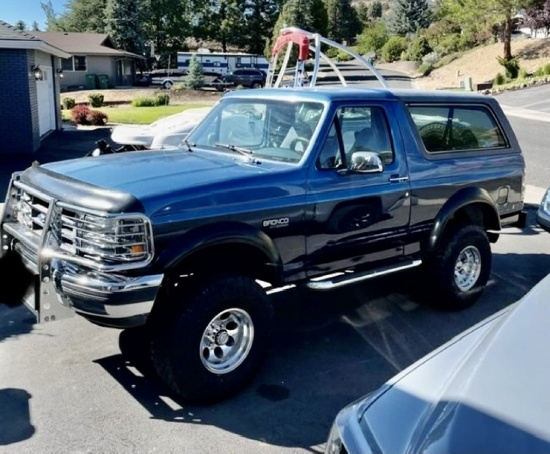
column 66, row 144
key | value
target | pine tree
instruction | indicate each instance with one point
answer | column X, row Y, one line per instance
column 123, row 24
column 408, row 17
column 195, row 77
column 342, row 20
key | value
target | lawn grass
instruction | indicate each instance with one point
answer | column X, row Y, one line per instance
column 138, row 115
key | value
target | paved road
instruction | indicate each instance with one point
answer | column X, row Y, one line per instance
column 70, row 386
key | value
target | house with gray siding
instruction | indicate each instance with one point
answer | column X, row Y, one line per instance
column 91, row 55
column 29, row 89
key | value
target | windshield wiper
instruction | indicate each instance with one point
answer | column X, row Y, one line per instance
column 189, row 145
column 241, row 150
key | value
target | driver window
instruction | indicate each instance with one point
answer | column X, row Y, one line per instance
column 362, row 129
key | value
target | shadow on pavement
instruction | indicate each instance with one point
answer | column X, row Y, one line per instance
column 15, row 418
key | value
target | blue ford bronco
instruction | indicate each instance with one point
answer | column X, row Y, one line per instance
column 321, row 187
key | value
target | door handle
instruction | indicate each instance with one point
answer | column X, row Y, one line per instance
column 398, row 179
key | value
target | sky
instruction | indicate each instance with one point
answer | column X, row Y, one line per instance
column 28, row 11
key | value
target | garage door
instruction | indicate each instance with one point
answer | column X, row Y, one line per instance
column 46, row 106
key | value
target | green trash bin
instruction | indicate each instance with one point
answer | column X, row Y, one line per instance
column 91, row 81
column 103, row 80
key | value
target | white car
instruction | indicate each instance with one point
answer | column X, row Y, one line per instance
column 543, row 213
column 485, row 391
column 167, row 132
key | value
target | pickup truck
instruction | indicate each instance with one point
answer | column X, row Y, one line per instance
column 322, row 187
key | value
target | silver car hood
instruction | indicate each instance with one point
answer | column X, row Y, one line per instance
column 487, row 390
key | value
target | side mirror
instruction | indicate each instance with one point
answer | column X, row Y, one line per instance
column 366, row 162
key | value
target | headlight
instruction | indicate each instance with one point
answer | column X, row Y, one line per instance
column 334, row 442
column 118, row 239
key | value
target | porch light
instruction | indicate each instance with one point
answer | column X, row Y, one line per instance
column 60, row 72
column 37, row 72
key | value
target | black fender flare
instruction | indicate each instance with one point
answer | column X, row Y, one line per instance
column 461, row 199
column 221, row 233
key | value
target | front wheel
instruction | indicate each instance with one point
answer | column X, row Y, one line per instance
column 208, row 344
column 461, row 267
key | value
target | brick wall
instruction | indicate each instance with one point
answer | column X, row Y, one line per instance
column 19, row 131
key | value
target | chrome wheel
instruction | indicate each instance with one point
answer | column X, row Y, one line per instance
column 227, row 341
column 467, row 268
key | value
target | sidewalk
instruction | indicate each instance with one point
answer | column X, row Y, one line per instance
column 60, row 145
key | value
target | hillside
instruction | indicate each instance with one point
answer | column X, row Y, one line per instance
column 481, row 63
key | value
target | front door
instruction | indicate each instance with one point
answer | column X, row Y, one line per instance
column 357, row 217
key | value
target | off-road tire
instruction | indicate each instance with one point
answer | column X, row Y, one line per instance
column 179, row 328
column 460, row 268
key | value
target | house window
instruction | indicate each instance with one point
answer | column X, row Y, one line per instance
column 74, row 63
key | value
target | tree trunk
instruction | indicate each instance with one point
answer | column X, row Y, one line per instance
column 507, row 38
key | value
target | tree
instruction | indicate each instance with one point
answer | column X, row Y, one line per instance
column 21, row 25
column 35, row 27
column 375, row 10
column 222, row 21
column 195, row 76
column 53, row 23
column 342, row 21
column 260, row 17
column 477, row 16
column 373, row 38
column 84, row 16
column 408, row 17
column 123, row 24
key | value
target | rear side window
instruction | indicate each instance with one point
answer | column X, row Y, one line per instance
column 457, row 128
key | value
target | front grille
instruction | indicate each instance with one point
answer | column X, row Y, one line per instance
column 99, row 240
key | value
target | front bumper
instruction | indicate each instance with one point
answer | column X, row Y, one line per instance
column 103, row 298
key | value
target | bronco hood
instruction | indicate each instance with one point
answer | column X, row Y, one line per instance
column 152, row 177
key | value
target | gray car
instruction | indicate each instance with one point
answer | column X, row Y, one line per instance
column 484, row 391
column 543, row 213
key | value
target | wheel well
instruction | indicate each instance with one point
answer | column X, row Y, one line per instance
column 235, row 257
column 477, row 213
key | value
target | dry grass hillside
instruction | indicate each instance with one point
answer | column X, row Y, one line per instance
column 481, row 63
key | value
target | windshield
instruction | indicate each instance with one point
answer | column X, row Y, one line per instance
column 265, row 129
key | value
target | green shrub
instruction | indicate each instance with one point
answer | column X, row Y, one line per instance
column 511, row 66
column 96, row 99
column 425, row 69
column 499, row 79
column 418, row 48
column 162, row 99
column 546, row 69
column 68, row 103
column 144, row 102
column 393, row 48
column 373, row 38
column 539, row 72
column 522, row 74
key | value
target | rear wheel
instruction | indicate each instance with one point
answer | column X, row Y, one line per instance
column 461, row 267
column 209, row 341
column 256, row 85
column 167, row 84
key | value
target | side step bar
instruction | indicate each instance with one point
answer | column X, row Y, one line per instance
column 338, row 280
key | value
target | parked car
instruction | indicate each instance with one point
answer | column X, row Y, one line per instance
column 166, row 78
column 543, row 213
column 485, row 391
column 252, row 78
column 168, row 132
